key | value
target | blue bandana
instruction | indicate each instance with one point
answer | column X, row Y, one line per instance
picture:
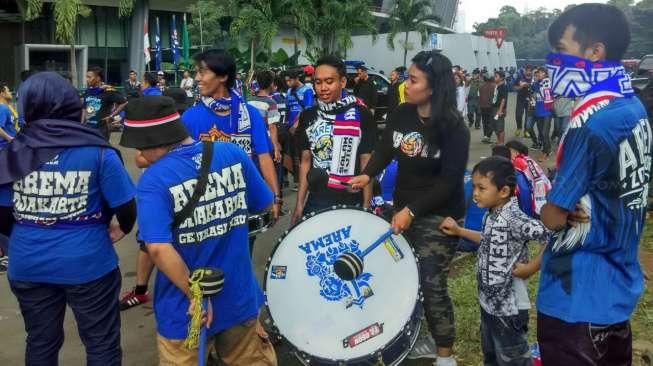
column 235, row 103
column 573, row 76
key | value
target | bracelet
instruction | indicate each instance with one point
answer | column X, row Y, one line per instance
column 278, row 200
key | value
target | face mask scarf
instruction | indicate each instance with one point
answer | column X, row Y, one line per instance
column 573, row 77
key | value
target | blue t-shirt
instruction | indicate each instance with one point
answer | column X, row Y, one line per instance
column 388, row 180
column 306, row 99
column 60, row 235
column 214, row 236
column 152, row 90
column 6, row 123
column 608, row 160
column 541, row 110
column 203, row 124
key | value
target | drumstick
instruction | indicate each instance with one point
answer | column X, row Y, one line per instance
column 350, row 265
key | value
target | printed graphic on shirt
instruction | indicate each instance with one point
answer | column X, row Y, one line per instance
column 214, row 134
column 45, row 196
column 93, row 105
column 321, row 138
column 413, row 144
column 635, row 166
column 503, row 243
column 222, row 207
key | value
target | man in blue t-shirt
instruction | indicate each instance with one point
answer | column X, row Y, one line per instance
column 591, row 278
column 101, row 102
column 222, row 114
column 213, row 234
column 298, row 98
column 57, row 202
column 7, row 120
column 149, row 84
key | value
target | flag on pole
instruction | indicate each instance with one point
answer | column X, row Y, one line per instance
column 186, row 41
column 146, row 42
column 174, row 41
column 157, row 46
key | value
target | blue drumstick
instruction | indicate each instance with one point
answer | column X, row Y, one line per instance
column 202, row 350
column 378, row 242
column 350, row 265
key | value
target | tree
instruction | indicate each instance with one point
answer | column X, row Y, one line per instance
column 256, row 23
column 211, row 20
column 337, row 20
column 65, row 19
column 300, row 15
column 407, row 16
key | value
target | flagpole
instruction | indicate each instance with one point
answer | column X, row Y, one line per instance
column 201, row 30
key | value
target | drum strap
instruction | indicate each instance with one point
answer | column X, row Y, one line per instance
column 200, row 187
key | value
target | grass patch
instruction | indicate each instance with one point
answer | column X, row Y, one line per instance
column 462, row 288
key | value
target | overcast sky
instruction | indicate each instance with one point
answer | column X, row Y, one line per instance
column 478, row 11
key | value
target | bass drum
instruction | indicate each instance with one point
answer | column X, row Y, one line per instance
column 329, row 321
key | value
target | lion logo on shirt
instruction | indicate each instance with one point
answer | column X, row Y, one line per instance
column 412, row 144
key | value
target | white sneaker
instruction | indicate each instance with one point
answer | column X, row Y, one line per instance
column 445, row 361
column 424, row 348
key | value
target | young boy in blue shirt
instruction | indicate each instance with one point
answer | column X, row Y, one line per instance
column 591, row 278
column 503, row 243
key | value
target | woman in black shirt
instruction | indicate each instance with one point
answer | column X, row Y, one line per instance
column 428, row 137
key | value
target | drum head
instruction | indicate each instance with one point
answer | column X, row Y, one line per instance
column 325, row 317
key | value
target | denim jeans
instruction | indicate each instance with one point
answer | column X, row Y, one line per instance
column 504, row 339
column 95, row 306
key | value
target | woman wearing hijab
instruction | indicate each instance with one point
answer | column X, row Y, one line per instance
column 60, row 185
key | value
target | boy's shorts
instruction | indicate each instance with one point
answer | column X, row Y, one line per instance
column 245, row 344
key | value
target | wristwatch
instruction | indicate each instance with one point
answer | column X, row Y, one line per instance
column 278, row 200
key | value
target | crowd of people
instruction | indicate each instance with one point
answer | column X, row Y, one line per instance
column 216, row 150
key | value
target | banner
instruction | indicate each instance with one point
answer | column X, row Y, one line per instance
column 146, row 42
column 174, row 42
column 498, row 34
column 157, row 46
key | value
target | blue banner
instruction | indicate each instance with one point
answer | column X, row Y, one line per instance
column 174, row 41
column 157, row 46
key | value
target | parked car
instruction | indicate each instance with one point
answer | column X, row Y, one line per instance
column 643, row 83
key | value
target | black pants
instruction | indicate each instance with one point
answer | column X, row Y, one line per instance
column 583, row 344
column 521, row 110
column 95, row 306
column 544, row 129
column 486, row 118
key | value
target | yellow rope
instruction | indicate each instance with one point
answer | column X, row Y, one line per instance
column 192, row 340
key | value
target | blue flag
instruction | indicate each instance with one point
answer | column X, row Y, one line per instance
column 174, row 41
column 157, row 46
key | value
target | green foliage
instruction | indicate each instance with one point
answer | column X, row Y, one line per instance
column 337, row 20
column 210, row 21
column 529, row 31
column 407, row 16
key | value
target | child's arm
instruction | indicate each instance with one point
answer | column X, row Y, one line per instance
column 450, row 227
column 525, row 270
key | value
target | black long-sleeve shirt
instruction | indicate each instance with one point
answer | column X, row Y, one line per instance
column 366, row 90
column 430, row 175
